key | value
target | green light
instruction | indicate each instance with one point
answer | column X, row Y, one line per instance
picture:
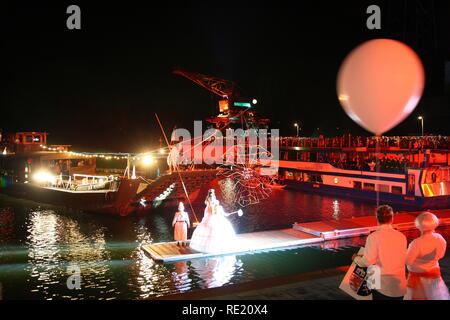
column 242, row 104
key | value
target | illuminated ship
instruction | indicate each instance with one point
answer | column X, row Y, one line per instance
column 53, row 174
column 410, row 171
column 50, row 174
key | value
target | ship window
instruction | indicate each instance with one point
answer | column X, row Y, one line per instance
column 411, row 184
column 383, row 188
column 29, row 139
column 289, row 175
column 299, row 176
column 369, row 186
column 357, row 185
column 292, row 156
column 397, row 190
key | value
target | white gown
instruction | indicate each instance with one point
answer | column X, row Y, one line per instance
column 214, row 234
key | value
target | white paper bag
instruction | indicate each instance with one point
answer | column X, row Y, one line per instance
column 354, row 282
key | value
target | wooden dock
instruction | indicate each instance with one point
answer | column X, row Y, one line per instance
column 300, row 234
column 248, row 242
column 356, row 227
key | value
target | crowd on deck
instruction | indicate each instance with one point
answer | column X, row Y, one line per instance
column 389, row 164
column 349, row 141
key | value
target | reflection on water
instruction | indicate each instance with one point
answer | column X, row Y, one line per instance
column 6, row 224
column 43, row 253
column 151, row 279
column 336, row 210
column 39, row 243
column 55, row 243
column 218, row 271
column 180, row 276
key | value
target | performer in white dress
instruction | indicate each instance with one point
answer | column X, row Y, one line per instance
column 214, row 234
column 424, row 279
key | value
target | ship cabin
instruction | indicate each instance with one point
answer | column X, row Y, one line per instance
column 26, row 153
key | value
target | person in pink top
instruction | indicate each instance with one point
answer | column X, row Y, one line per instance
column 386, row 249
column 424, row 279
column 181, row 224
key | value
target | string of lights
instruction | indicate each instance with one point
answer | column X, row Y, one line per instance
column 108, row 155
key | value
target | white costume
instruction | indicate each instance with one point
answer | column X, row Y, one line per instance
column 173, row 159
column 425, row 281
column 214, row 234
column 386, row 248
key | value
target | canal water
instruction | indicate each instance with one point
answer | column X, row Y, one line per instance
column 40, row 244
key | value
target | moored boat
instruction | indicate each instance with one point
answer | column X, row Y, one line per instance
column 33, row 170
column 410, row 171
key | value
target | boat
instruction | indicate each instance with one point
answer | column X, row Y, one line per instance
column 52, row 174
column 273, row 183
column 275, row 186
column 408, row 171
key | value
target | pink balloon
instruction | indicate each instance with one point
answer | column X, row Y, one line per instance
column 380, row 83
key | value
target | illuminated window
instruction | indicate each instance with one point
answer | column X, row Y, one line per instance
column 336, row 180
column 369, row 186
column 383, row 188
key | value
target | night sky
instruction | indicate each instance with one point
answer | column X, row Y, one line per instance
column 98, row 88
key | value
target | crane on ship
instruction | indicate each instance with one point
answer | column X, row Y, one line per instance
column 234, row 108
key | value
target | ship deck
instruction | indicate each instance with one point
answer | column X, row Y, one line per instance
column 299, row 235
column 78, row 191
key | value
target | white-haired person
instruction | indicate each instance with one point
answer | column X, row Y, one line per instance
column 422, row 260
column 214, row 234
column 181, row 224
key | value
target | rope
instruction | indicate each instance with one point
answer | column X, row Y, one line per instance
column 145, row 180
column 176, row 169
column 377, row 150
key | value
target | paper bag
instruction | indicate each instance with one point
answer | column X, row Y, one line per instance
column 354, row 282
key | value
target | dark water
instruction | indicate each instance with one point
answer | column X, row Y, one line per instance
column 39, row 244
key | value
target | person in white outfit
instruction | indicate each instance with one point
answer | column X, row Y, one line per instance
column 214, row 234
column 386, row 249
column 424, row 279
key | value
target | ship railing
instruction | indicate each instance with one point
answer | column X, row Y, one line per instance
column 85, row 182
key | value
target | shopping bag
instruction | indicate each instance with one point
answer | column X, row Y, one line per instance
column 355, row 282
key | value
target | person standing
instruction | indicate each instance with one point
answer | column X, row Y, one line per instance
column 214, row 234
column 422, row 259
column 181, row 224
column 386, row 249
